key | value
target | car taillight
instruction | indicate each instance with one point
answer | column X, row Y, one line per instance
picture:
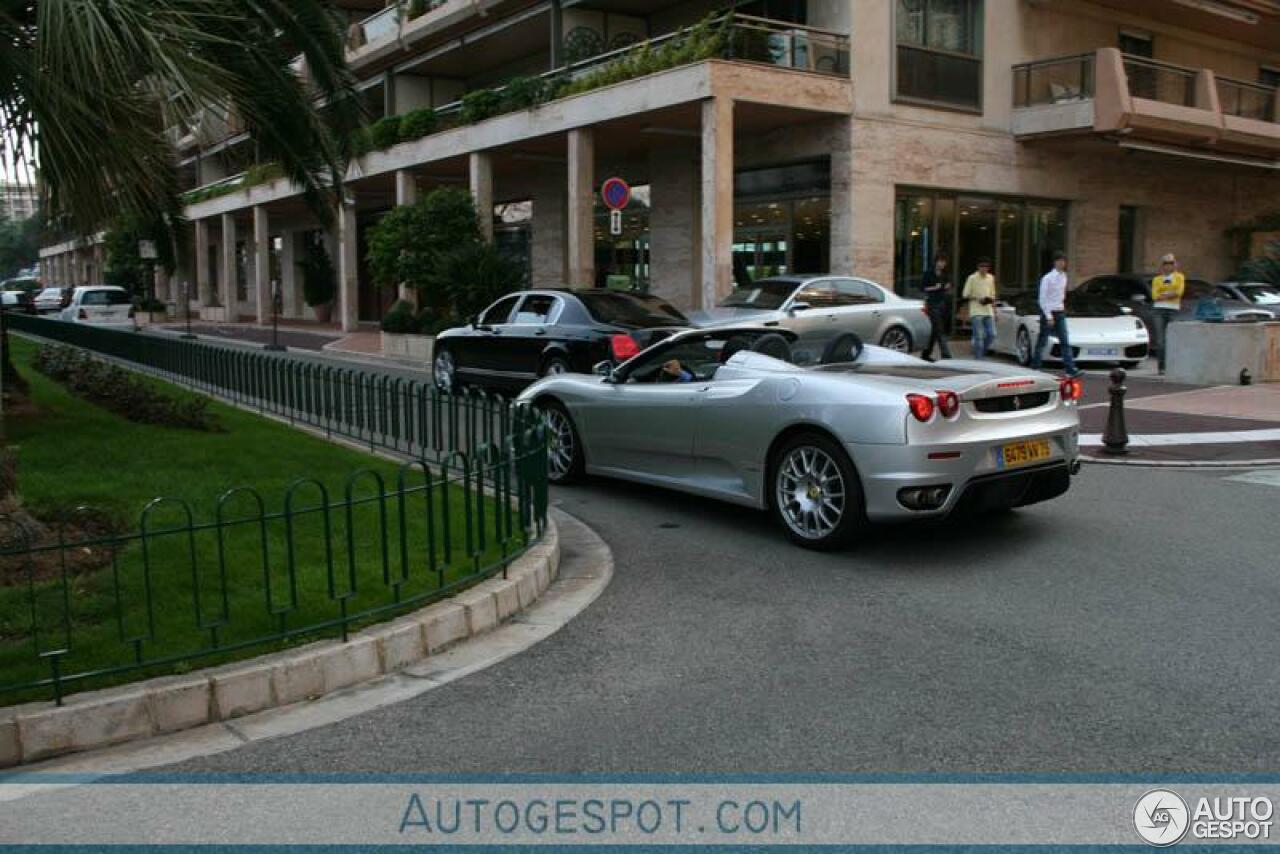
column 623, row 347
column 83, row 315
column 948, row 403
column 1071, row 388
column 921, row 406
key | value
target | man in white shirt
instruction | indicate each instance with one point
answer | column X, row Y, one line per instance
column 1053, row 315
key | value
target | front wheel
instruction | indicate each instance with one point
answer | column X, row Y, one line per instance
column 816, row 493
column 564, row 449
column 1023, row 346
column 896, row 338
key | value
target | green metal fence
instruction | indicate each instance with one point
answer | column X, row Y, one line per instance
column 471, row 499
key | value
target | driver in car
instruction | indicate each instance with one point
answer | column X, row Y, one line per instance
column 673, row 372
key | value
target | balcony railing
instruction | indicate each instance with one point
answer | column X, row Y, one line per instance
column 1053, row 81
column 1160, row 81
column 386, row 24
column 1247, row 100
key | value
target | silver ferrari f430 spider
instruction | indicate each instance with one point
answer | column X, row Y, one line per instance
column 863, row 434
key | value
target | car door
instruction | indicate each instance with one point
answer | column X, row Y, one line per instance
column 478, row 353
column 644, row 428
column 813, row 324
column 859, row 309
column 523, row 341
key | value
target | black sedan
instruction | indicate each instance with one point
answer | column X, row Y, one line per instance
column 530, row 334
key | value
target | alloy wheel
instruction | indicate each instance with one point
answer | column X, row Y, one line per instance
column 896, row 339
column 1024, row 347
column 443, row 370
column 554, row 367
column 561, row 451
column 810, row 491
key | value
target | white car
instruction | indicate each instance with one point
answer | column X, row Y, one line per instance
column 1120, row 337
column 100, row 305
column 49, row 300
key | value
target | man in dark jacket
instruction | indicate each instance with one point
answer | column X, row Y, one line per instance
column 937, row 304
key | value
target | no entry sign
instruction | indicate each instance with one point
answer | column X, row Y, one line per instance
column 616, row 193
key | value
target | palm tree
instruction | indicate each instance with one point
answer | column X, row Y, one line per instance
column 90, row 85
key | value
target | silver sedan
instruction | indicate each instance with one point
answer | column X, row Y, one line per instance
column 866, row 435
column 819, row 308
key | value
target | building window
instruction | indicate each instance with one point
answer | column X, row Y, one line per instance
column 1127, row 245
column 939, row 45
column 1020, row 235
column 1269, row 77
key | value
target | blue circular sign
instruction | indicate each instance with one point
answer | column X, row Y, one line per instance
column 616, row 194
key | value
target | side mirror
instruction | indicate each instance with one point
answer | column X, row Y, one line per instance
column 603, row 369
column 799, row 306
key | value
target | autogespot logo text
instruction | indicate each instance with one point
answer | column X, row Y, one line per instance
column 1161, row 817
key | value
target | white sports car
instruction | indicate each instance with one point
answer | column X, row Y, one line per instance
column 1120, row 337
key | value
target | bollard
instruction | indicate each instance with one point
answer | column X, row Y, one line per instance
column 1115, row 438
column 1246, row 378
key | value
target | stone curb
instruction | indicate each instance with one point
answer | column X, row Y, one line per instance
column 1182, row 464
column 169, row 704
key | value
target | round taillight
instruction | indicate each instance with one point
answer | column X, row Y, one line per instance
column 1072, row 389
column 948, row 403
column 921, row 406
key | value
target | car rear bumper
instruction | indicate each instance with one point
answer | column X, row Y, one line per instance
column 972, row 474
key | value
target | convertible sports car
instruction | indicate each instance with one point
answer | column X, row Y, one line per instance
column 1099, row 332
column 863, row 434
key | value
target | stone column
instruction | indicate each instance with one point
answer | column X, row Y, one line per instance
column 262, row 262
column 162, row 283
column 842, row 210
column 290, row 282
column 99, row 264
column 406, row 194
column 481, row 171
column 227, row 269
column 348, row 272
column 581, row 266
column 717, row 200
column 674, row 220
column 204, row 288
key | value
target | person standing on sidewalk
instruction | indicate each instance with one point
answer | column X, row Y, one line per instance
column 936, row 284
column 980, row 291
column 1166, row 301
column 1053, row 314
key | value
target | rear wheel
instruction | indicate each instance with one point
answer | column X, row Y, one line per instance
column 554, row 365
column 1023, row 346
column 815, row 492
column 564, row 450
column 896, row 338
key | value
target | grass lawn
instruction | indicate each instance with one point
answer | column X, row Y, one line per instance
column 179, row 592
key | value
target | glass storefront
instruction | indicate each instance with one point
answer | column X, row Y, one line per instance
column 1019, row 235
column 781, row 221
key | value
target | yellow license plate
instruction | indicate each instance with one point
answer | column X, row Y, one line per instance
column 1023, row 453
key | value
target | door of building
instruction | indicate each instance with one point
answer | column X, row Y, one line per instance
column 759, row 255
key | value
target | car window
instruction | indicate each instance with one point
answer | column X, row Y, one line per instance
column 104, row 297
column 499, row 312
column 699, row 356
column 766, row 295
column 538, row 310
column 638, row 310
column 858, row 292
column 1261, row 294
column 820, row 294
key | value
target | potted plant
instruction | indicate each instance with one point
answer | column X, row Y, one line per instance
column 318, row 280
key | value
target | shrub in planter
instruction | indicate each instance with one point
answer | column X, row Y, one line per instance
column 417, row 124
column 475, row 276
column 385, row 133
column 523, row 93
column 406, row 244
column 400, row 320
column 151, row 306
column 318, row 278
column 431, row 323
column 361, row 142
column 416, row 9
column 480, row 105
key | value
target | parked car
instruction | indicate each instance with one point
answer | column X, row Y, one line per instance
column 1258, row 293
column 1099, row 332
column 100, row 305
column 1116, row 292
column 534, row 333
column 819, row 308
column 51, row 300
column 19, row 301
column 865, row 435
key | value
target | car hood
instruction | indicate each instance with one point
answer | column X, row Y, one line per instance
column 721, row 316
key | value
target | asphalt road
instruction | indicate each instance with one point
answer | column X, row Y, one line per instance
column 1127, row 627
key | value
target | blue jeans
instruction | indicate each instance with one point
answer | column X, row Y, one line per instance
column 984, row 334
column 1059, row 326
column 1161, row 318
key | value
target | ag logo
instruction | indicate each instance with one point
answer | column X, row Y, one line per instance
column 1161, row 817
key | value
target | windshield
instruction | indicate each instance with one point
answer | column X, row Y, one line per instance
column 765, row 295
column 637, row 310
column 104, row 298
column 1261, row 294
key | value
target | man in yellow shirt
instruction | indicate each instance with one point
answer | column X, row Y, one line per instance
column 980, row 291
column 1166, row 301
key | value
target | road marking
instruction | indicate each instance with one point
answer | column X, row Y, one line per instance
column 1156, row 440
column 1266, row 478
